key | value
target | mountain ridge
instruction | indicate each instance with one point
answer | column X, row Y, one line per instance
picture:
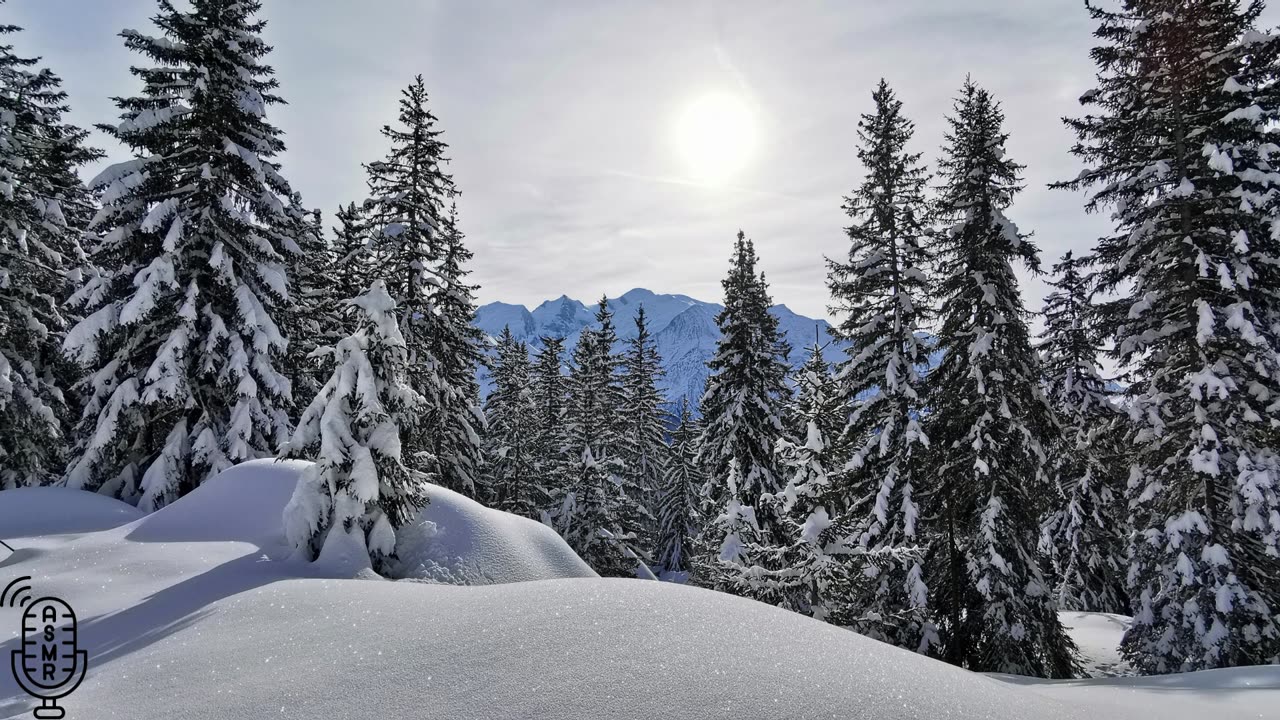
column 683, row 328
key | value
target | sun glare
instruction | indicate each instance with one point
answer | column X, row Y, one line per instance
column 716, row 136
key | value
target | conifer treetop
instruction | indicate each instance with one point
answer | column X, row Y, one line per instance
column 183, row 326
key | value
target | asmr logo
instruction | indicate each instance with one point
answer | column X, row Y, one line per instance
column 50, row 666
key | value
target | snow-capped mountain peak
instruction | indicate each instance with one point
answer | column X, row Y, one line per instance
column 684, row 331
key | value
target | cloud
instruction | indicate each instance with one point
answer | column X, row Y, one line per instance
column 558, row 115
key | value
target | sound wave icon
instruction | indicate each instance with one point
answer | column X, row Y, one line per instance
column 16, row 594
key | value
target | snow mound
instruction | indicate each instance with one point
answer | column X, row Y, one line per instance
column 178, row 623
column 29, row 512
column 588, row 648
column 1227, row 694
column 458, row 541
column 455, row 540
column 244, row 503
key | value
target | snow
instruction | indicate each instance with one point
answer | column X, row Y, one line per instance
column 813, row 526
column 457, row 540
column 242, row 504
column 1097, row 635
column 198, row 612
column 25, row 512
column 684, row 332
column 1230, row 694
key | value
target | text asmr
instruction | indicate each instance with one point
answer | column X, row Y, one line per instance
column 50, row 665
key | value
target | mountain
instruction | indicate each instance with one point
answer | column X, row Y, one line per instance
column 684, row 331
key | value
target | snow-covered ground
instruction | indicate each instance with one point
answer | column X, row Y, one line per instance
column 197, row 612
column 1098, row 637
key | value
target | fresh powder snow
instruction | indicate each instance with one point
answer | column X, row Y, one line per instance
column 198, row 612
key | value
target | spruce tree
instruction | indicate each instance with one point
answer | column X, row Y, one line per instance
column 458, row 421
column 42, row 210
column 550, row 389
column 818, row 397
column 735, row 545
column 746, row 393
column 596, row 515
column 879, row 297
column 812, row 560
column 417, row 248
column 182, row 331
column 510, row 444
column 358, row 488
column 1178, row 145
column 989, row 423
column 595, row 387
column 1084, row 534
column 644, row 423
column 679, row 519
column 313, row 317
column 349, row 254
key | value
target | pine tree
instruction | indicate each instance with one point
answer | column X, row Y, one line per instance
column 358, row 487
column 746, row 393
column 43, row 207
column 313, row 319
column 679, row 520
column 417, row 247
column 459, row 420
column 182, row 330
column 550, row 440
column 510, row 444
column 644, row 423
column 879, row 297
column 736, row 545
column 1179, row 146
column 817, row 397
column 1084, row 535
column 989, row 422
column 596, row 516
column 349, row 254
column 813, row 560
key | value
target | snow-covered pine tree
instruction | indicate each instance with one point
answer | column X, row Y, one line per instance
column 550, row 389
column 511, row 467
column 417, row 248
column 1179, row 145
column 679, row 519
column 879, row 298
column 349, row 254
column 458, row 421
column 988, row 421
column 597, row 499
column 181, row 334
column 1084, row 534
column 813, row 557
column 313, row 317
column 746, row 393
column 43, row 208
column 737, row 557
column 597, row 496
column 644, row 423
column 359, row 489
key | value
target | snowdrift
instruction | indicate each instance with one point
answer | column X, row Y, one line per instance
column 197, row 613
column 54, row 511
column 594, row 649
column 456, row 540
column 242, row 504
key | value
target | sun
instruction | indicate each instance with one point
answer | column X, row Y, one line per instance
column 716, row 136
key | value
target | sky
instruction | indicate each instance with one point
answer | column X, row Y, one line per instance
column 564, row 119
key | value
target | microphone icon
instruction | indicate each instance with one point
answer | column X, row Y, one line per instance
column 49, row 666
